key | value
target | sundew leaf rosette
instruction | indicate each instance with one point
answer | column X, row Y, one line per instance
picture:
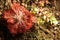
column 19, row 19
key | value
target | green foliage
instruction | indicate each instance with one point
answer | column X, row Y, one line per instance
column 40, row 21
column 34, row 10
column 53, row 20
column 47, row 16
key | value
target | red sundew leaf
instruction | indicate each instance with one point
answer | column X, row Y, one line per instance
column 11, row 20
column 19, row 19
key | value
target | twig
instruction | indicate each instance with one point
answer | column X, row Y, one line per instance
column 46, row 30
